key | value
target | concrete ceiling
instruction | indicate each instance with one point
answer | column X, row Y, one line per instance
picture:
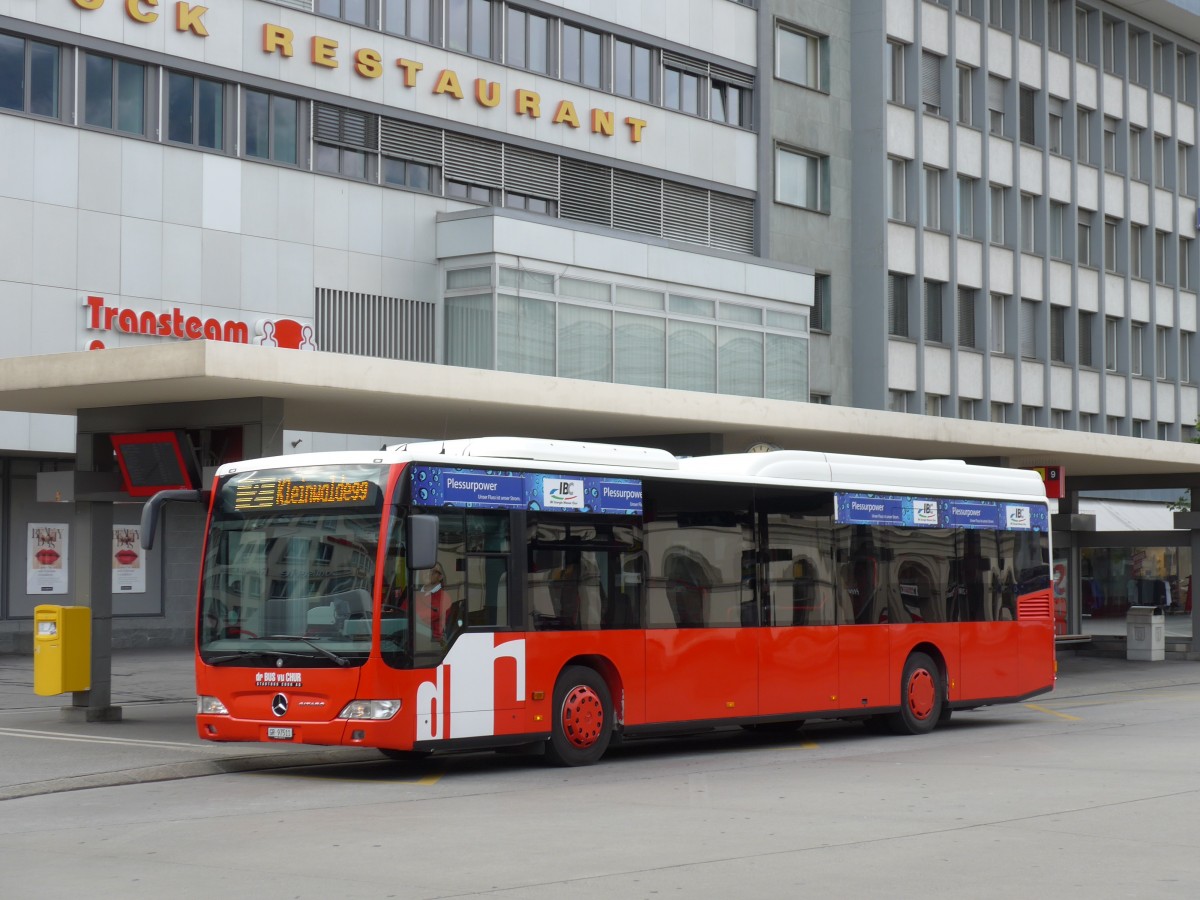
column 357, row 395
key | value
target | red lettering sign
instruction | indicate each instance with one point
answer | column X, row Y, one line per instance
column 99, row 316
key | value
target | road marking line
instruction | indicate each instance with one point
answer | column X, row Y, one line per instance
column 1053, row 712
column 93, row 739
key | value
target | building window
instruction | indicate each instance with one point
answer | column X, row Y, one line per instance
column 1108, row 40
column 632, row 64
column 1133, row 61
column 1183, row 170
column 269, row 127
column 995, row 102
column 1162, row 338
column 1185, row 264
column 1058, row 334
column 681, row 87
column 1136, row 135
column 114, row 94
column 1029, row 328
column 934, row 314
column 1110, row 144
column 413, row 18
column 820, row 399
column 1185, row 66
column 966, row 317
column 1084, row 135
column 997, row 324
column 1083, row 239
column 409, row 174
column 932, row 199
column 1029, row 224
column 345, row 141
column 29, row 76
column 1160, row 256
column 1054, row 125
column 800, row 57
column 469, row 28
column 1137, row 342
column 897, row 189
column 820, row 318
column 1055, row 11
column 353, row 11
column 933, row 404
column 801, row 179
column 195, row 111
column 966, row 81
column 1111, row 325
column 1137, row 242
column 1158, row 66
column 1058, row 223
column 967, row 408
column 1029, row 415
column 897, row 301
column 1028, row 129
column 931, row 82
column 527, row 46
column 966, row 205
column 999, row 231
column 1111, row 259
column 1185, row 356
column 1161, row 175
column 1087, row 324
column 895, row 63
column 898, row 401
column 1083, row 41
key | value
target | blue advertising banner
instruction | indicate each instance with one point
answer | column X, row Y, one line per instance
column 485, row 489
column 922, row 512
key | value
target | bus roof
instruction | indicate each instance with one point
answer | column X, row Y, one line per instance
column 776, row 467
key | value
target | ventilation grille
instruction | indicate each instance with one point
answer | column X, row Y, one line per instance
column 474, row 159
column 637, row 202
column 732, row 225
column 415, row 142
column 685, row 213
column 348, row 127
column 586, row 192
column 1036, row 606
column 370, row 325
column 531, row 172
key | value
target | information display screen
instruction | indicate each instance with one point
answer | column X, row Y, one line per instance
column 154, row 461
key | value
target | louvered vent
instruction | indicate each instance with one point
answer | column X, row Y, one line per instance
column 370, row 325
column 732, row 225
column 416, row 142
column 637, row 202
column 729, row 76
column 348, row 127
column 530, row 172
column 305, row 5
column 1036, row 606
column 586, row 192
column 685, row 213
column 474, row 159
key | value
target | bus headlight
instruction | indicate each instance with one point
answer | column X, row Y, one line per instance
column 370, row 709
column 210, row 706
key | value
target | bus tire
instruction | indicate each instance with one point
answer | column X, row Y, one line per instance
column 921, row 697
column 583, row 718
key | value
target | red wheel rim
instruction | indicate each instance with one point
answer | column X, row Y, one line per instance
column 921, row 694
column 582, row 716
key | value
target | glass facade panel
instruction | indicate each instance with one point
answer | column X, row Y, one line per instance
column 639, row 349
column 740, row 362
column 525, row 335
column 585, row 343
column 12, row 72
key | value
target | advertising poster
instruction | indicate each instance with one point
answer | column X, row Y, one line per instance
column 128, row 567
column 47, row 561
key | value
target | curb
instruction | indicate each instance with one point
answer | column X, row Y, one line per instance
column 178, row 771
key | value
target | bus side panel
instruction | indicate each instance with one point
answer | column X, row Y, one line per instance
column 619, row 655
column 701, row 673
column 944, row 637
column 866, row 676
column 990, row 661
column 798, row 669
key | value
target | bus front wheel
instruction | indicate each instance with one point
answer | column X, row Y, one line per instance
column 922, row 697
column 583, row 718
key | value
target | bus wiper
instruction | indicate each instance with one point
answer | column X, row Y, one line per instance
column 340, row 660
column 254, row 654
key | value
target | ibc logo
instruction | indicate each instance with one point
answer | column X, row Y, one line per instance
column 562, row 493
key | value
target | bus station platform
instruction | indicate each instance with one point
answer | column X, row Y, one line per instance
column 156, row 738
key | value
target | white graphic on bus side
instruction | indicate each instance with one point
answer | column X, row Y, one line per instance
column 469, row 671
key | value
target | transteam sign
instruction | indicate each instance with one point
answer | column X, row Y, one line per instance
column 369, row 63
column 173, row 322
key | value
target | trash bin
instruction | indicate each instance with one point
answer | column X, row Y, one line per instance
column 1144, row 633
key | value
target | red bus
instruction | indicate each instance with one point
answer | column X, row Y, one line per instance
column 507, row 591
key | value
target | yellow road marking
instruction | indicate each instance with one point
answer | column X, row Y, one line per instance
column 1053, row 712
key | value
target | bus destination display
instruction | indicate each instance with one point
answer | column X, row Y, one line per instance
column 472, row 488
column 290, row 493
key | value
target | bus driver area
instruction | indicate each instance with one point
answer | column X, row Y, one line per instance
column 504, row 592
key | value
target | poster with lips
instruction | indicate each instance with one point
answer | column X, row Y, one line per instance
column 128, row 572
column 47, row 568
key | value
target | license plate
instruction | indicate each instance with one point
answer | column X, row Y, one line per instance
column 279, row 734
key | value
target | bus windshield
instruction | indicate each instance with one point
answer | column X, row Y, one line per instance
column 290, row 566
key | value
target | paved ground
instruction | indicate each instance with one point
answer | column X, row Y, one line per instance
column 156, row 739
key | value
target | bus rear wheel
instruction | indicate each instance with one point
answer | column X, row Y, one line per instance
column 922, row 697
column 583, row 718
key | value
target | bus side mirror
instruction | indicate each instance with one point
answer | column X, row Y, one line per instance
column 422, row 540
column 151, row 510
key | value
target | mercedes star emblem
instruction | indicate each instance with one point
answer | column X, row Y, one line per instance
column 279, row 704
